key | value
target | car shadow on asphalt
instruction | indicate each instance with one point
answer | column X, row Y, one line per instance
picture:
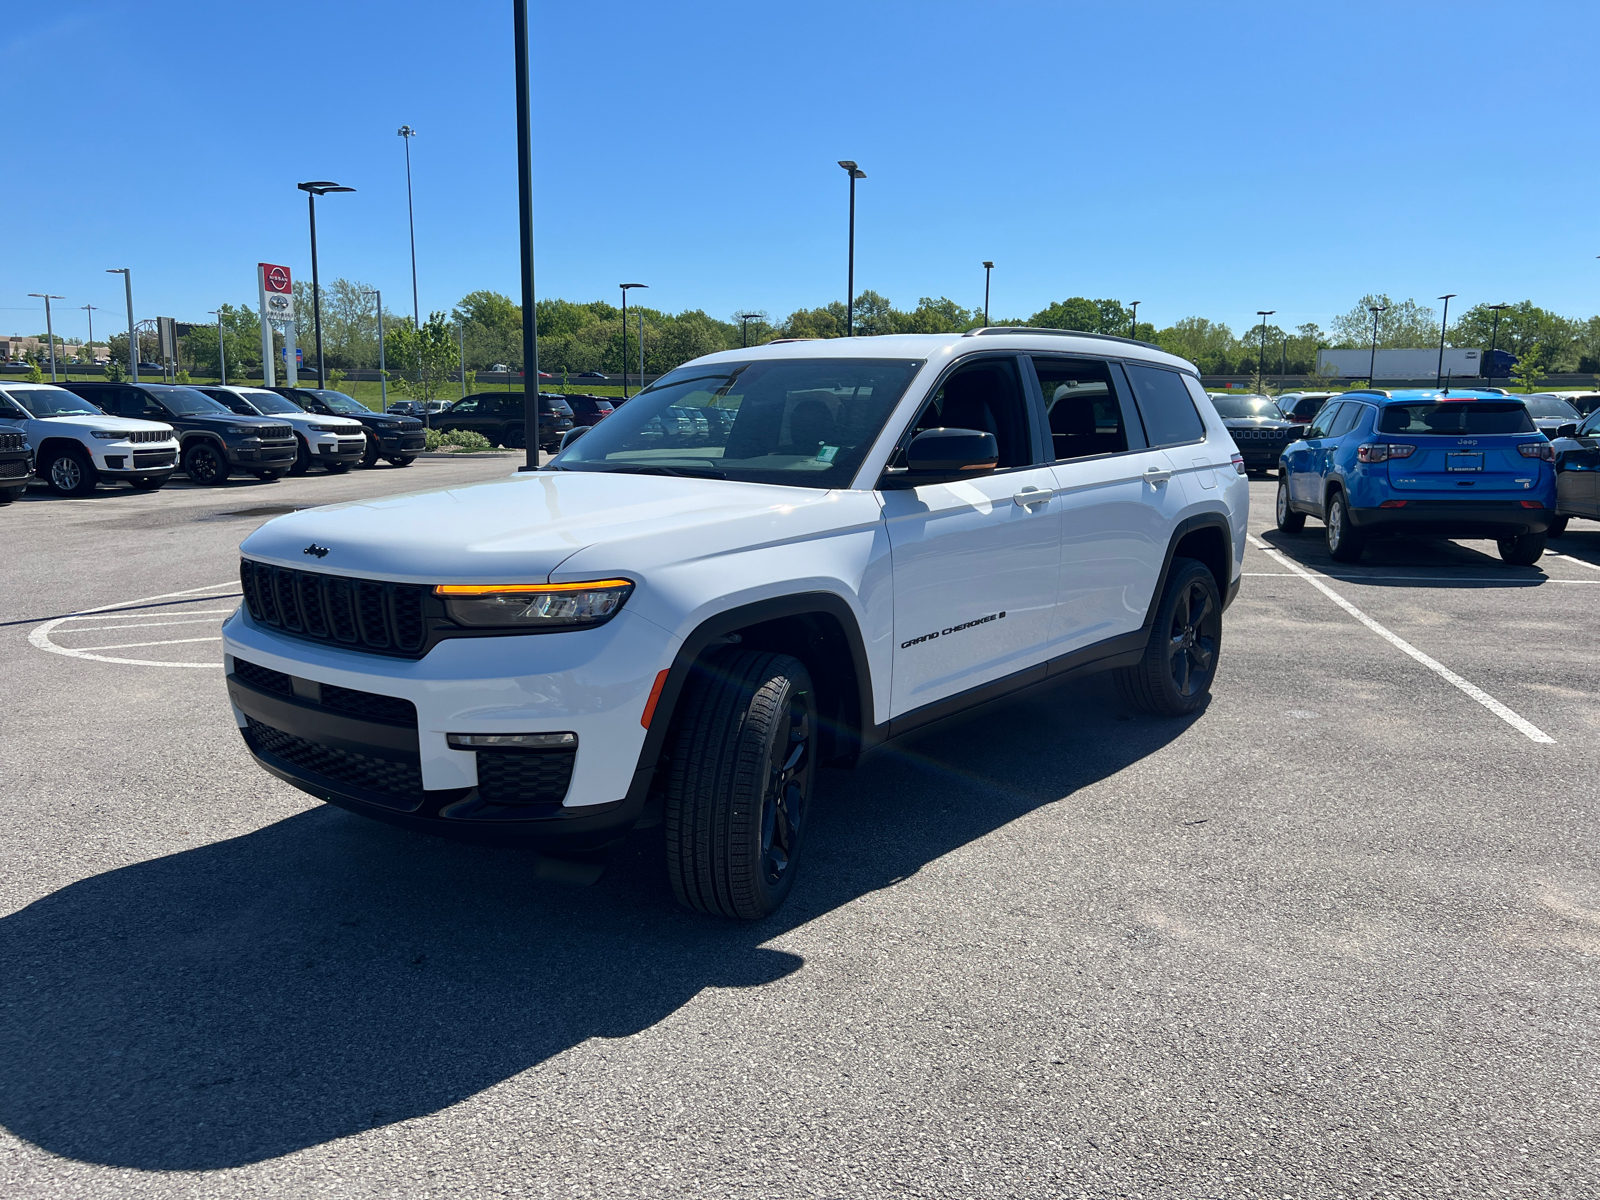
column 327, row 974
column 1405, row 560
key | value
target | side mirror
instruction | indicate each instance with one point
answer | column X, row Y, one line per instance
column 1569, row 429
column 946, row 455
column 572, row 435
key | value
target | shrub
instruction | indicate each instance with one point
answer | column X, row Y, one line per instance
column 464, row 439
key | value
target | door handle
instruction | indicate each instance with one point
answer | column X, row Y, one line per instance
column 1033, row 495
column 1156, row 475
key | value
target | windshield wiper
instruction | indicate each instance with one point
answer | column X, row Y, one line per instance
column 680, row 472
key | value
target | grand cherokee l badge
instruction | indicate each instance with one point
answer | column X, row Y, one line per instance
column 319, row 551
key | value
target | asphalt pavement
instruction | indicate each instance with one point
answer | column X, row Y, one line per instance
column 1335, row 936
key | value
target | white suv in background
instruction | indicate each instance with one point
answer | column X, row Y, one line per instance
column 768, row 561
column 75, row 445
column 336, row 443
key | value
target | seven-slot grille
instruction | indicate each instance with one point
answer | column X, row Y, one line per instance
column 274, row 433
column 1259, row 435
column 363, row 614
column 12, row 441
column 150, row 435
column 409, row 425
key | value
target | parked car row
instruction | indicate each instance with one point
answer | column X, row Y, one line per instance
column 500, row 416
column 81, row 434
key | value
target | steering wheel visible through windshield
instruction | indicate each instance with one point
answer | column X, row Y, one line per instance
column 804, row 422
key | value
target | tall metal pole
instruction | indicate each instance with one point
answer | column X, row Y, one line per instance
column 222, row 350
column 987, row 267
column 383, row 371
column 406, row 133
column 461, row 342
column 49, row 328
column 316, row 291
column 1444, row 323
column 1261, row 363
column 641, row 348
column 1494, row 339
column 89, row 308
column 624, row 341
column 133, row 340
column 530, row 318
column 855, row 173
column 1133, row 324
column 1372, row 365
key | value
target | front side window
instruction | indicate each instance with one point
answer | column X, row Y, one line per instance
column 985, row 395
column 466, row 407
column 1085, row 412
column 804, row 422
column 270, row 403
column 1328, row 414
column 1349, row 413
column 1457, row 417
column 1168, row 410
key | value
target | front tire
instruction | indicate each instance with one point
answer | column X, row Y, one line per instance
column 72, row 473
column 370, row 456
column 1344, row 543
column 1523, row 550
column 302, row 456
column 741, row 758
column 1174, row 677
column 205, row 464
column 402, row 460
column 336, row 468
column 1289, row 521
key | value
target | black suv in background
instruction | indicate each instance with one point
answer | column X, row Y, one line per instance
column 214, row 441
column 397, row 438
column 499, row 417
column 16, row 465
column 1258, row 427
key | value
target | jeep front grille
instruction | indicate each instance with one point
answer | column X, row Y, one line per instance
column 361, row 614
column 150, row 435
column 12, row 441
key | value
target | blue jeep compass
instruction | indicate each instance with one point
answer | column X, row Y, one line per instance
column 1458, row 464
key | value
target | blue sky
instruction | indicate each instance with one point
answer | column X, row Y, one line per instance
column 1203, row 159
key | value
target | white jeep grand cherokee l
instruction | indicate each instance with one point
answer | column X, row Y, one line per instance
column 768, row 561
column 76, row 445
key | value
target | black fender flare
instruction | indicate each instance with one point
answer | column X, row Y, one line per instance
column 1205, row 520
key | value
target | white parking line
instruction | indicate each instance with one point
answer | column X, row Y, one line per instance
column 40, row 639
column 1570, row 559
column 168, row 642
column 150, row 625
column 1500, row 579
column 1525, row 727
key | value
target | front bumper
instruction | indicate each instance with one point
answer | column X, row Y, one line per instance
column 401, row 769
column 268, row 454
column 333, row 447
column 128, row 459
column 409, row 442
column 1455, row 518
column 16, row 469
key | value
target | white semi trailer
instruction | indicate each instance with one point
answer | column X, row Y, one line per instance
column 1399, row 364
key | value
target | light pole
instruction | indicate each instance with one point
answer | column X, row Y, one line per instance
column 641, row 349
column 1494, row 338
column 89, row 308
column 461, row 343
column 850, row 278
column 1444, row 323
column 406, row 133
column 1133, row 325
column 222, row 351
column 530, row 314
column 1261, row 363
column 49, row 329
column 744, row 320
column 133, row 340
column 383, row 372
column 987, row 267
column 319, row 187
column 1372, row 365
column 625, row 287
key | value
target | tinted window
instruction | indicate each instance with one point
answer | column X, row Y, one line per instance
column 1325, row 418
column 185, row 401
column 1550, row 406
column 1245, row 406
column 1457, row 417
column 1349, row 413
column 55, row 402
column 1168, row 410
column 1084, row 410
column 463, row 407
column 986, row 396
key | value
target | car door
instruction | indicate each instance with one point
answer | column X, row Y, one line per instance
column 1329, row 457
column 1578, row 471
column 976, row 563
column 1305, row 459
column 1115, row 518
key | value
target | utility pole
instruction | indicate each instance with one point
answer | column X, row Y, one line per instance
column 1261, row 363
column 1494, row 339
column 1133, row 325
column 320, row 187
column 1372, row 366
column 49, row 329
column 89, row 308
column 222, row 351
column 625, row 287
column 850, row 277
column 530, row 315
column 133, row 340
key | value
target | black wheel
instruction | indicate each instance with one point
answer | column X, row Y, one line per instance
column 1523, row 550
column 1289, row 521
column 1557, row 527
column 268, row 476
column 514, row 439
column 337, row 468
column 302, row 456
column 204, row 463
column 9, row 495
column 741, row 757
column 403, row 460
column 1174, row 677
column 1344, row 543
column 149, row 483
column 370, row 456
column 72, row 473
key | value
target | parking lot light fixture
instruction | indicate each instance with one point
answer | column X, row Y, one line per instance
column 987, row 268
column 1133, row 324
column 406, row 133
column 625, row 287
column 855, row 173
column 383, row 373
column 133, row 341
column 222, row 351
column 1444, row 323
column 1261, row 363
column 1494, row 338
column 89, row 308
column 49, row 329
column 1372, row 363
column 318, row 187
column 744, row 320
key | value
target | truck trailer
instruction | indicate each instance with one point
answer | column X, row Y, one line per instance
column 1400, row 364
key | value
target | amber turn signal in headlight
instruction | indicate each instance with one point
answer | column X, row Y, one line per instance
column 534, row 606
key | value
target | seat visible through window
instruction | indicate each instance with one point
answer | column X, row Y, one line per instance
column 986, row 396
column 1083, row 406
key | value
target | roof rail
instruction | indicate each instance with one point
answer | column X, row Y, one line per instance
column 1365, row 392
column 997, row 330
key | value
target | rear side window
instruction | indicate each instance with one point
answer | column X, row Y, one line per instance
column 1168, row 410
column 1084, row 410
column 1349, row 414
column 1457, row 417
column 1325, row 419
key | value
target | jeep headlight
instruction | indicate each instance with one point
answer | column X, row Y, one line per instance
column 534, row 605
column 109, row 435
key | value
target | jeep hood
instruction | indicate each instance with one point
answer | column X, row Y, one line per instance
column 108, row 423
column 519, row 530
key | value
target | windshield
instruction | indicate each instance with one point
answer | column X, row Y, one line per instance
column 270, row 403
column 43, row 402
column 1550, row 406
column 803, row 422
column 340, row 403
column 1246, row 406
column 187, row 402
column 1457, row 417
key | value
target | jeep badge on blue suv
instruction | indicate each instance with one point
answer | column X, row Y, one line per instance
column 1457, row 464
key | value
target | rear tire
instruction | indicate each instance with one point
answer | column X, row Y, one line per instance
column 741, row 759
column 205, row 464
column 403, row 460
column 1289, row 521
column 1180, row 661
column 1523, row 550
column 1557, row 527
column 72, row 473
column 302, row 456
column 1344, row 543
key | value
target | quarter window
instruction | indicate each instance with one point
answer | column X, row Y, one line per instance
column 1168, row 410
column 1325, row 419
column 1085, row 412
